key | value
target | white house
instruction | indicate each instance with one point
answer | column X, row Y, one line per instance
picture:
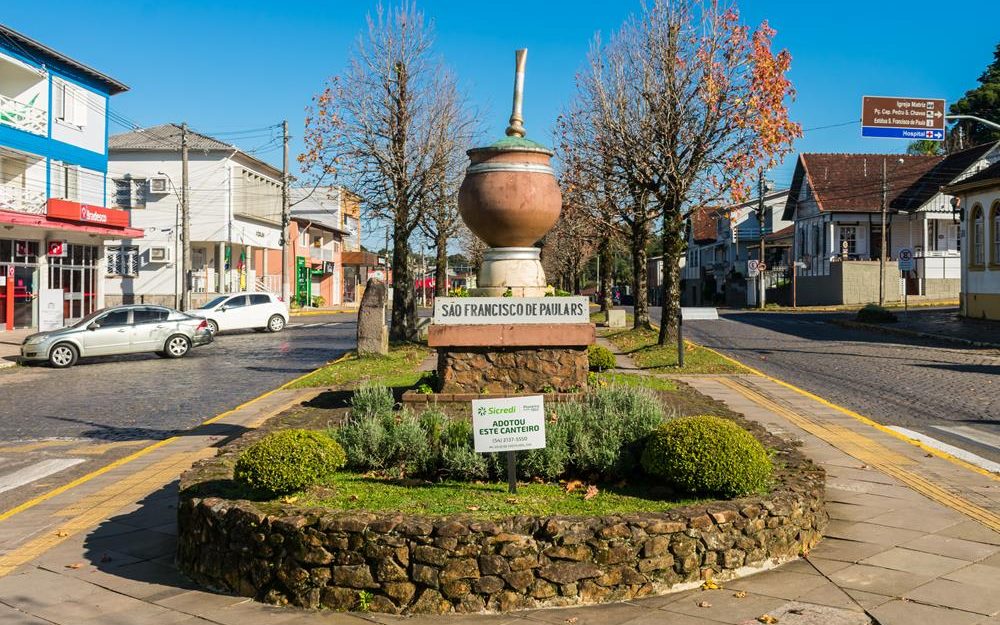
column 53, row 203
column 979, row 201
column 235, row 218
column 835, row 202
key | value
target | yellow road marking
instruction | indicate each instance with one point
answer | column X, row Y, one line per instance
column 29, row 447
column 97, row 449
column 31, row 503
column 867, row 421
column 872, row 453
column 99, row 506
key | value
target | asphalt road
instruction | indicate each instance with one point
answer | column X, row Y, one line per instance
column 56, row 424
column 947, row 392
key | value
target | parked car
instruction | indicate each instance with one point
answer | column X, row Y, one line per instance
column 119, row 330
column 244, row 311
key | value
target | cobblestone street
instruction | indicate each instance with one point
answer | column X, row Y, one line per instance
column 948, row 392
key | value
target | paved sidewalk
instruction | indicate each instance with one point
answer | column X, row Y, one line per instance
column 912, row 540
column 941, row 324
column 10, row 346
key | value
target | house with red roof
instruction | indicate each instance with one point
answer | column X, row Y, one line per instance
column 836, row 203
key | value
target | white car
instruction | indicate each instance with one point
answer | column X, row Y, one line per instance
column 244, row 311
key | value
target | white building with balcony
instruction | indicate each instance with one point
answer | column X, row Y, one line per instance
column 235, row 218
column 54, row 218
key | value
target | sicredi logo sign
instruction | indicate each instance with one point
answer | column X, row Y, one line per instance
column 508, row 424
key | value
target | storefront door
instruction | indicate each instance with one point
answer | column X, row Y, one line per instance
column 76, row 275
column 19, row 283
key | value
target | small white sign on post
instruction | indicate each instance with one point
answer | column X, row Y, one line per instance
column 905, row 259
column 753, row 268
column 508, row 424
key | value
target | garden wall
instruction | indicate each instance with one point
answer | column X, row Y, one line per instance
column 387, row 562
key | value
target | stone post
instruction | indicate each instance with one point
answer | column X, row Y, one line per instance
column 373, row 333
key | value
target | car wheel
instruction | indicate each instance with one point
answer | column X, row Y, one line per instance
column 276, row 323
column 213, row 327
column 63, row 355
column 177, row 346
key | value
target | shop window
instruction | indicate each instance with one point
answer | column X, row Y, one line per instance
column 848, row 240
column 995, row 232
column 123, row 260
column 977, row 230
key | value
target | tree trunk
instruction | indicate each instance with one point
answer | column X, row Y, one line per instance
column 404, row 304
column 640, row 297
column 441, row 271
column 604, row 279
column 670, row 291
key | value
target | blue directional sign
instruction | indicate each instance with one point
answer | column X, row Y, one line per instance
column 903, row 118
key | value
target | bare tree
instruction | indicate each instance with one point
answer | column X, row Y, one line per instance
column 440, row 218
column 380, row 127
column 680, row 108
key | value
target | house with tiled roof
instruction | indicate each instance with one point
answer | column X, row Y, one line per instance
column 979, row 211
column 836, row 203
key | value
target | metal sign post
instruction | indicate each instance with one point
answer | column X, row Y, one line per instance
column 906, row 264
column 697, row 314
column 507, row 425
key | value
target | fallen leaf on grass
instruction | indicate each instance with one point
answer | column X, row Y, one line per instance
column 767, row 618
column 354, row 498
column 512, row 500
column 289, row 499
column 709, row 585
column 740, row 595
column 591, row 493
column 704, row 604
column 75, row 565
column 472, row 508
column 573, row 485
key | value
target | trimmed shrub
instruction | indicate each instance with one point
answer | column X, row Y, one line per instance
column 289, row 460
column 873, row 313
column 600, row 358
column 707, row 455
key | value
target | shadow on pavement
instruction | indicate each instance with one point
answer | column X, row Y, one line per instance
column 102, row 432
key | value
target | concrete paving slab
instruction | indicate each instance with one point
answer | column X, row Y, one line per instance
column 846, row 550
column 878, row 580
column 979, row 575
column 947, row 593
column 852, row 512
column 899, row 612
column 801, row 613
column 867, row 600
column 916, row 562
column 779, row 583
column 725, row 607
column 953, row 547
column 96, row 604
column 659, row 618
column 594, row 615
column 827, row 567
column 970, row 530
column 870, row 533
column 993, row 560
column 919, row 519
column 12, row 616
column 829, row 595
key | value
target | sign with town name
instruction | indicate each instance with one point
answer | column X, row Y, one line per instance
column 903, row 118
column 508, row 424
column 504, row 310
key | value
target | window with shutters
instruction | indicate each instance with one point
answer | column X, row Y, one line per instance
column 69, row 103
column 123, row 260
column 65, row 181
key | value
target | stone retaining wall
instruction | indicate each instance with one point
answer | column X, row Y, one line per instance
column 395, row 563
column 512, row 369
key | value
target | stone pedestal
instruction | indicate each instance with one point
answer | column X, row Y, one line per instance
column 373, row 333
column 516, row 358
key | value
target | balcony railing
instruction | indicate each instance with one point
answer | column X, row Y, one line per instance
column 20, row 200
column 23, row 115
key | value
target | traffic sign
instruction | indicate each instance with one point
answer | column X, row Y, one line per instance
column 903, row 118
column 753, row 267
column 905, row 259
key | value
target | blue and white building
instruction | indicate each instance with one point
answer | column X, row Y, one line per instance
column 53, row 185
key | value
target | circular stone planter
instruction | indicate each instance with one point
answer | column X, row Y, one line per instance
column 395, row 563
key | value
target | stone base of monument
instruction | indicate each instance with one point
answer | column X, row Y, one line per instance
column 513, row 358
column 514, row 269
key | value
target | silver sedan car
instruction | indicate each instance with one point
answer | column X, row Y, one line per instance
column 119, row 330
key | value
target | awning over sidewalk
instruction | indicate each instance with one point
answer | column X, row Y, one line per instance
column 46, row 222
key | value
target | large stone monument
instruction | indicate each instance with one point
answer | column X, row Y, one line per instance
column 508, row 337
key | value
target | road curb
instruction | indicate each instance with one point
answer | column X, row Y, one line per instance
column 871, row 327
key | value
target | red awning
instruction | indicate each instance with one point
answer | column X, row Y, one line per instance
column 47, row 223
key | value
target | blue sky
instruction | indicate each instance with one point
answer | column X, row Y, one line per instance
column 230, row 66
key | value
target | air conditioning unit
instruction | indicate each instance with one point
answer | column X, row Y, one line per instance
column 159, row 254
column 158, row 185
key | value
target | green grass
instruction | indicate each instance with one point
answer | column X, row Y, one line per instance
column 398, row 368
column 353, row 491
column 611, row 378
column 642, row 347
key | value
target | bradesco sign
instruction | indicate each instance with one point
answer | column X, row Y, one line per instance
column 508, row 424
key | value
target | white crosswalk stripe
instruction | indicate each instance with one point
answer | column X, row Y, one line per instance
column 35, row 472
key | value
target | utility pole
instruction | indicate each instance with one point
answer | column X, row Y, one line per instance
column 881, row 256
column 760, row 222
column 285, row 292
column 185, row 224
